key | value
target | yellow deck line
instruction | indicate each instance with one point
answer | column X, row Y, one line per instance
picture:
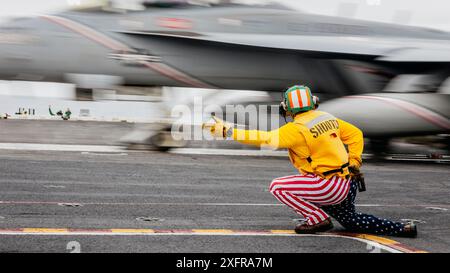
column 132, row 231
column 388, row 242
column 280, row 231
column 377, row 239
column 45, row 230
column 381, row 240
column 213, row 231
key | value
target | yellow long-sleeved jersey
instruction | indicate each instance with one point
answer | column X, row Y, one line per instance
column 315, row 135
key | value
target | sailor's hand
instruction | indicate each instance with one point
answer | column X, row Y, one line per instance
column 219, row 129
column 358, row 177
column 354, row 170
column 356, row 173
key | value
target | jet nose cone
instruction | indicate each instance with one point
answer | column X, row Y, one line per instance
column 18, row 41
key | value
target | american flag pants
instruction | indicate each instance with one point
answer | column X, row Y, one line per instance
column 316, row 199
column 306, row 193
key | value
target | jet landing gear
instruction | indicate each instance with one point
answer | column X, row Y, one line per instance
column 163, row 141
column 153, row 137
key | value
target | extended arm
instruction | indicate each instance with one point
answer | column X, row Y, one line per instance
column 286, row 136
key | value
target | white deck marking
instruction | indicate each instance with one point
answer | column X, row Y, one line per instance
column 61, row 147
column 121, row 149
column 239, row 152
column 186, row 151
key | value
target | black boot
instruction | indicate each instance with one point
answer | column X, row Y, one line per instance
column 409, row 231
column 320, row 227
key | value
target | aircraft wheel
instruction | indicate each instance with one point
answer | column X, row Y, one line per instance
column 163, row 141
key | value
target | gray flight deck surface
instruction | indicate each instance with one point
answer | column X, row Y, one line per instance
column 180, row 193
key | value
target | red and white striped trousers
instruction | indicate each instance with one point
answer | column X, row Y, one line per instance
column 306, row 193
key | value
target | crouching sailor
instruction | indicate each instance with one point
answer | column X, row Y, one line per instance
column 329, row 175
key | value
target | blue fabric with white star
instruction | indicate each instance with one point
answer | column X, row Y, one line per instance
column 353, row 221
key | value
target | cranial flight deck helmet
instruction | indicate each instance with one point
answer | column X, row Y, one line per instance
column 298, row 99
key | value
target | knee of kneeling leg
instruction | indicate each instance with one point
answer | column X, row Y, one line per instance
column 275, row 185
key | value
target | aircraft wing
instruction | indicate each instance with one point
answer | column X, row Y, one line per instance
column 358, row 48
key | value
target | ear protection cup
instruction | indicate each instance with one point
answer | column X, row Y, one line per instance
column 316, row 101
column 283, row 109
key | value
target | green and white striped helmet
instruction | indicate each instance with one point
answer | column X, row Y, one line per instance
column 298, row 98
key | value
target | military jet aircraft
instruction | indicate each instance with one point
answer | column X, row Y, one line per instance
column 219, row 44
column 225, row 44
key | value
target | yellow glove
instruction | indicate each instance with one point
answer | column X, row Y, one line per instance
column 219, row 129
